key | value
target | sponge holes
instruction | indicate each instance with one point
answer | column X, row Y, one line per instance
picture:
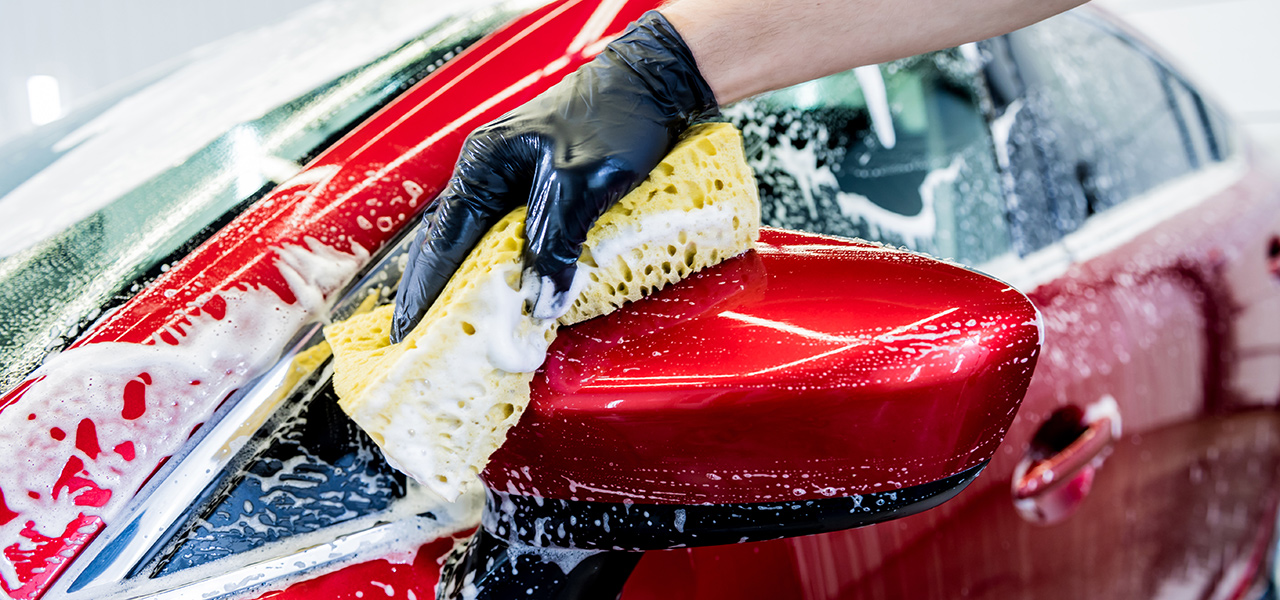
column 586, row 257
column 512, row 279
column 690, row 255
column 504, row 411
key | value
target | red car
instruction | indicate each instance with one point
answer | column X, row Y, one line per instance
column 834, row 432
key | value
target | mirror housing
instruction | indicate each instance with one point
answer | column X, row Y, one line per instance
column 811, row 385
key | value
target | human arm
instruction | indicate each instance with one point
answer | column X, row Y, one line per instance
column 745, row 47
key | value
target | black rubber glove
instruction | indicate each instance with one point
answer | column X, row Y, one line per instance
column 570, row 154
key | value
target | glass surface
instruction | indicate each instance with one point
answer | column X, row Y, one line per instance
column 1104, row 105
column 309, row 468
column 898, row 153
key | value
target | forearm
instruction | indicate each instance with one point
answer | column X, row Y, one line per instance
column 744, row 47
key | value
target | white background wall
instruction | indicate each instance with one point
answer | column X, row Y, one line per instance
column 1232, row 47
column 90, row 45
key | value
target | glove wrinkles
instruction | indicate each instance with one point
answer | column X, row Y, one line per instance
column 568, row 154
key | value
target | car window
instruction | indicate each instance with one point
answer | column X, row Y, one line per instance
column 898, row 153
column 1105, row 107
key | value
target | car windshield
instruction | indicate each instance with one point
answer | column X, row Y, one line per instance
column 95, row 205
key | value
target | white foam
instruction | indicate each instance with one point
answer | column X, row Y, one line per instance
column 1001, row 128
column 211, row 358
column 316, row 269
column 877, row 97
column 709, row 224
column 917, row 228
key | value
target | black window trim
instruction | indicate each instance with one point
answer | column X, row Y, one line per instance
column 1107, row 23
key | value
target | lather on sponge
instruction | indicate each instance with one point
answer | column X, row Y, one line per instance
column 440, row 402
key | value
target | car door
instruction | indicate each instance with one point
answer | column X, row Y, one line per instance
column 1159, row 219
column 1124, row 208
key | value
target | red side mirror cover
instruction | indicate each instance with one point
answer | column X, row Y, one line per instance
column 812, row 367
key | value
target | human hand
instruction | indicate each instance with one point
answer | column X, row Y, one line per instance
column 569, row 154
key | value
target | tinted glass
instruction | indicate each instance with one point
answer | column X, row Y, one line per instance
column 1105, row 106
column 898, row 153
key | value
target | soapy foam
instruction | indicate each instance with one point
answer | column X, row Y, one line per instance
column 698, row 207
column 107, row 413
column 658, row 228
column 462, row 385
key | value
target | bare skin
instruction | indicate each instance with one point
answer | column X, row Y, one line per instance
column 745, row 47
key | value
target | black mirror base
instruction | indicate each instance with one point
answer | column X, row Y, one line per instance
column 488, row 568
column 540, row 548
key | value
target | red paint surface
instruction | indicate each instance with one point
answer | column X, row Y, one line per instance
column 6, row 514
column 82, row 490
column 40, row 559
column 135, row 399
column 16, row 394
column 374, row 579
column 809, row 369
column 400, row 158
column 87, row 438
column 126, row 450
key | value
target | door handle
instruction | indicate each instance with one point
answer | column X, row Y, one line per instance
column 1056, row 474
column 1043, row 475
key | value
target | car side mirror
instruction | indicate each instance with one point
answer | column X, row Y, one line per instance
column 812, row 385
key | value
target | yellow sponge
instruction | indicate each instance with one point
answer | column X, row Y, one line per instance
column 440, row 402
